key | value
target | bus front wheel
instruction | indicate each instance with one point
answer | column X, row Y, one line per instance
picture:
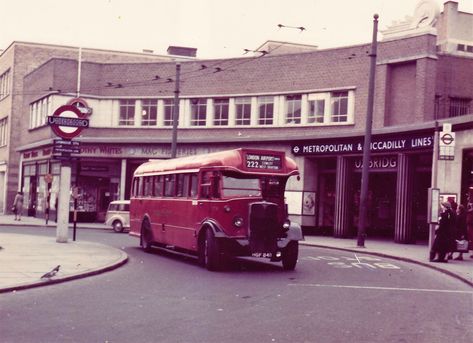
column 289, row 255
column 209, row 252
column 146, row 236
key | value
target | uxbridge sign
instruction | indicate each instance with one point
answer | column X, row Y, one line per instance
column 355, row 145
column 67, row 121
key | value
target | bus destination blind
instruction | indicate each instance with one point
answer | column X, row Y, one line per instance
column 263, row 161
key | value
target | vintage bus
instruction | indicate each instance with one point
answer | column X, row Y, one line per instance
column 217, row 205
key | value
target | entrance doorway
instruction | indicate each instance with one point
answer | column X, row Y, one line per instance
column 380, row 220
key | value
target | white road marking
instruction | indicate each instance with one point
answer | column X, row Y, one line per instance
column 381, row 288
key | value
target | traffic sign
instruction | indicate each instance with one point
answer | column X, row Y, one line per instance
column 447, row 138
column 67, row 121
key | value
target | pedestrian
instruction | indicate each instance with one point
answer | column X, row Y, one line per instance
column 18, row 205
column 443, row 234
column 460, row 228
column 452, row 240
column 469, row 220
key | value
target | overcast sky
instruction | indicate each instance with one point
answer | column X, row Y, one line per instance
column 217, row 28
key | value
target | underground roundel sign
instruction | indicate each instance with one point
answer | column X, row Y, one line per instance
column 67, row 122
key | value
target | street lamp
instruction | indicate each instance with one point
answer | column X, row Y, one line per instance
column 175, row 112
column 367, row 143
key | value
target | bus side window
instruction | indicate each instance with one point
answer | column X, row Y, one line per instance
column 180, row 185
column 193, row 185
column 135, row 187
column 205, row 184
column 148, row 186
column 158, row 186
column 139, row 189
column 169, row 185
column 216, row 185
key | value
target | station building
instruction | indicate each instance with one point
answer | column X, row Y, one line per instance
column 309, row 102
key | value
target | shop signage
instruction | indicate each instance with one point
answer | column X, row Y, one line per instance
column 379, row 162
column 355, row 145
column 67, row 121
column 82, row 105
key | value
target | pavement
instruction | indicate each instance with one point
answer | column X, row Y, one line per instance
column 24, row 259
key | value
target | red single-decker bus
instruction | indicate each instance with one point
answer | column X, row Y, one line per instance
column 217, row 205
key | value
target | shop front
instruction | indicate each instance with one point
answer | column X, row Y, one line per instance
column 101, row 173
column 399, row 178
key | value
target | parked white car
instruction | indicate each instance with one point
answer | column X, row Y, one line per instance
column 118, row 215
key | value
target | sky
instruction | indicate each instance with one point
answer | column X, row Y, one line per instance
column 217, row 28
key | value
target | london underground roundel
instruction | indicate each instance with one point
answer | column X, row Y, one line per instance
column 67, row 121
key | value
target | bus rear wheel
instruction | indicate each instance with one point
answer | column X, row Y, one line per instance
column 209, row 251
column 289, row 255
column 146, row 236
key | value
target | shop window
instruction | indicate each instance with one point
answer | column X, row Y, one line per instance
column 293, row 109
column 198, row 112
column 221, row 112
column 149, row 112
column 5, row 84
column 339, row 101
column 127, row 113
column 3, row 131
column 39, row 111
column 459, row 107
column 243, row 111
column 168, row 112
column 316, row 111
column 265, row 110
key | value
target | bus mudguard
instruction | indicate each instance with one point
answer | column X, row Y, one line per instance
column 295, row 232
column 218, row 233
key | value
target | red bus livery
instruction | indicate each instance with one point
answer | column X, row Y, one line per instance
column 217, row 205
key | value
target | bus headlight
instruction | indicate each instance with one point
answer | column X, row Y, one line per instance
column 286, row 225
column 238, row 221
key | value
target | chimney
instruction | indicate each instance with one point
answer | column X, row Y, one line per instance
column 182, row 51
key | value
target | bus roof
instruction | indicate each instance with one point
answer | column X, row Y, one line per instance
column 252, row 161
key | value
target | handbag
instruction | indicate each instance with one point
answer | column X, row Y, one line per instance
column 462, row 245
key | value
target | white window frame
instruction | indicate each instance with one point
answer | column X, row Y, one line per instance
column 129, row 104
column 265, row 101
column 290, row 109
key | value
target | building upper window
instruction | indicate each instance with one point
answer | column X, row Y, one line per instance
column 339, row 102
column 149, row 112
column 221, row 112
column 243, row 111
column 293, row 109
column 39, row 111
column 3, row 131
column 168, row 112
column 198, row 112
column 5, row 84
column 316, row 111
column 127, row 113
column 459, row 107
column 265, row 110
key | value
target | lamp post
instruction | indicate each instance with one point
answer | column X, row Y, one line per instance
column 175, row 112
column 363, row 210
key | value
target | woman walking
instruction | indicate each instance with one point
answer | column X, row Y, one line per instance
column 460, row 228
column 443, row 234
column 18, row 205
